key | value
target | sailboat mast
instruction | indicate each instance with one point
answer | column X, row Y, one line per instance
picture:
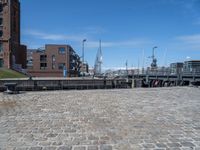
column 100, row 56
column 98, row 61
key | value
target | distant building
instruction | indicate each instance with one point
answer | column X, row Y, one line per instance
column 91, row 71
column 121, row 72
column 29, row 57
column 176, row 68
column 84, row 68
column 12, row 54
column 51, row 61
column 192, row 66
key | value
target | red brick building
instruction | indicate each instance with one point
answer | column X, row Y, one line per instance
column 11, row 52
column 51, row 62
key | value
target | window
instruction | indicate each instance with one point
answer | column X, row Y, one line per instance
column 53, row 58
column 15, row 26
column 1, row 63
column 43, row 57
column 53, row 66
column 53, row 61
column 1, row 47
column 14, row 13
column 61, row 50
column 1, row 21
column 1, row 33
column 1, row 7
column 43, row 66
column 61, row 66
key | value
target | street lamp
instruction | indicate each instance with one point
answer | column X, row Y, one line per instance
column 84, row 40
column 82, row 66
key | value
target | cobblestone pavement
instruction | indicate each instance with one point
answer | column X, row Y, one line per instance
column 131, row 119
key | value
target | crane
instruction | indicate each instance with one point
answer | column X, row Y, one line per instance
column 154, row 60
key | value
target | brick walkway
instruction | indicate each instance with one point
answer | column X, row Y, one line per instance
column 157, row 119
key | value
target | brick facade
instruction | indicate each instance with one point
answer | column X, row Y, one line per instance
column 50, row 61
column 11, row 52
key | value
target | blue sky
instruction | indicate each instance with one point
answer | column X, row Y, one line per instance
column 129, row 29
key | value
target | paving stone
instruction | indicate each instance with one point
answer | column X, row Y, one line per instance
column 92, row 148
column 197, row 128
column 104, row 138
column 57, row 143
column 105, row 147
column 120, row 119
column 174, row 148
column 44, row 143
column 148, row 145
column 92, row 137
column 49, row 148
column 187, row 148
column 197, row 143
column 36, row 148
column 70, row 131
column 19, row 148
column 79, row 148
column 196, row 139
column 174, row 140
column 51, row 135
column 65, row 148
column 173, row 145
column 187, row 144
column 161, row 145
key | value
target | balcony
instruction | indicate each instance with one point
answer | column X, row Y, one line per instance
column 72, row 65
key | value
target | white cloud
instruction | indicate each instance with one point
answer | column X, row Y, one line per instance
column 54, row 37
column 126, row 43
column 188, row 57
column 188, row 42
column 192, row 39
column 133, row 43
column 94, row 30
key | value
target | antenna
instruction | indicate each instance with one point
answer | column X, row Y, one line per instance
column 127, row 67
column 164, row 58
column 138, row 65
column 143, row 58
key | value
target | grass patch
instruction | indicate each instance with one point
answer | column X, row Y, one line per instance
column 8, row 73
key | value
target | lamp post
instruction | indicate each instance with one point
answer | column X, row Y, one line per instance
column 82, row 66
column 84, row 40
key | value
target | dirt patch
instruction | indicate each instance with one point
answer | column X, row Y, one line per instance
column 7, row 104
